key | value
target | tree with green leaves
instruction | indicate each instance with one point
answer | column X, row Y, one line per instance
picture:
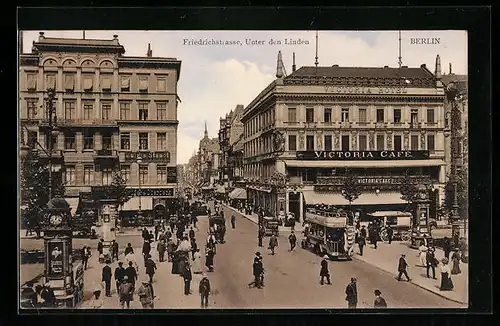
column 118, row 189
column 34, row 187
column 350, row 188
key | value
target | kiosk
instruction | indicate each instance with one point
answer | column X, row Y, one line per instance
column 107, row 219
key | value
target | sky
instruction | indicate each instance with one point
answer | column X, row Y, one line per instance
column 216, row 78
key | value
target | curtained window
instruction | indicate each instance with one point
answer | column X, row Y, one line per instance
column 143, row 83
column 32, row 82
column 125, row 83
column 51, row 81
column 87, row 83
column 69, row 82
column 106, row 83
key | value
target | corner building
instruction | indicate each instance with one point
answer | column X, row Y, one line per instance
column 111, row 109
column 377, row 123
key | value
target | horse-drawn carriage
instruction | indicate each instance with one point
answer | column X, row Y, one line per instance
column 399, row 222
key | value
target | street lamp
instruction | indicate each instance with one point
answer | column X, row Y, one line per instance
column 139, row 161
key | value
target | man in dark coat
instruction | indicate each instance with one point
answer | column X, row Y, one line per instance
column 204, row 290
column 432, row 262
column 48, row 296
column 273, row 243
column 131, row 273
column 390, row 234
column 100, row 247
column 379, row 301
column 293, row 240
column 161, row 247
column 194, row 247
column 402, row 268
column 106, row 278
column 114, row 250
column 146, row 249
column 222, row 233
column 446, row 247
column 374, row 235
column 261, row 235
column 351, row 294
column 150, row 268
column 324, row 272
column 363, row 231
column 361, row 244
column 157, row 231
column 191, row 233
column 145, row 234
column 209, row 259
column 188, row 276
column 257, row 271
column 119, row 275
column 233, row 221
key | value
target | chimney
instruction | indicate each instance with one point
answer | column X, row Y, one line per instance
column 293, row 64
column 438, row 67
column 423, row 66
column 335, row 65
column 150, row 52
column 386, row 66
column 41, row 37
column 450, row 69
column 279, row 67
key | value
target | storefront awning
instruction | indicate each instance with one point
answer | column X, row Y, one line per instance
column 238, row 193
column 316, row 198
column 268, row 190
column 133, row 204
column 363, row 164
column 73, row 204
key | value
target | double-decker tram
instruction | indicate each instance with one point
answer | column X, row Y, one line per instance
column 331, row 232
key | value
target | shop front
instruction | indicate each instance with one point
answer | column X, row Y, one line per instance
column 378, row 173
column 260, row 196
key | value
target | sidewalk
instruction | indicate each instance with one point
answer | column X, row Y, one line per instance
column 386, row 257
column 255, row 219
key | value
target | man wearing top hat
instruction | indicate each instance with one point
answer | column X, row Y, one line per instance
column 204, row 290
column 379, row 301
column 119, row 275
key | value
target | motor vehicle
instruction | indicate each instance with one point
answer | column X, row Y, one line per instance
column 331, row 233
column 399, row 222
column 271, row 225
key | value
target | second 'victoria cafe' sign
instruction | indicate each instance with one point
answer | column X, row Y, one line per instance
column 362, row 155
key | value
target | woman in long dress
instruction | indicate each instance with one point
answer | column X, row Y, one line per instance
column 446, row 283
column 197, row 265
column 423, row 255
column 455, row 258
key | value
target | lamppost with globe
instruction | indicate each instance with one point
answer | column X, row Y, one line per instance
column 139, row 162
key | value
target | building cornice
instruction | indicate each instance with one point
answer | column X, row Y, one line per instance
column 80, row 48
column 150, row 63
column 353, row 81
column 148, row 122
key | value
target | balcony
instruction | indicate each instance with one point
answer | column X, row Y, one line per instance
column 106, row 154
column 371, row 180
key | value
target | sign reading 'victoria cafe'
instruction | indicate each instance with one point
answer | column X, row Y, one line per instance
column 362, row 155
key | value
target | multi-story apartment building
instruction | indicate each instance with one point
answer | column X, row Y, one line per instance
column 319, row 123
column 231, row 129
column 114, row 113
column 208, row 161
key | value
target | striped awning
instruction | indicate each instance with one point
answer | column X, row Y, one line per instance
column 220, row 189
column 259, row 188
column 238, row 193
column 73, row 204
column 133, row 203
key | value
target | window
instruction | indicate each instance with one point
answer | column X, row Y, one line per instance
column 161, row 171
column 70, row 176
column 54, row 141
column 362, row 115
column 414, row 116
column 125, row 83
column 292, row 115
column 69, row 141
column 414, row 142
column 397, row 142
column 107, row 142
column 31, row 107
column 161, row 111
column 310, row 143
column 143, row 141
column 430, row 115
column 161, row 141
column 161, row 84
column 143, row 83
column 125, row 111
column 106, row 111
column 143, row 111
column 32, row 137
column 106, row 176
column 345, row 142
column 362, row 142
column 69, row 82
column 328, row 142
column 345, row 115
column 380, row 142
column 292, row 142
column 69, row 110
column 88, row 140
column 88, row 111
column 397, row 115
column 51, row 81
column 106, row 83
column 31, row 78
column 88, row 81
column 309, row 115
column 380, row 115
column 328, row 115
column 143, row 174
column 125, row 169
column 431, row 146
column 88, row 175
column 125, row 140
